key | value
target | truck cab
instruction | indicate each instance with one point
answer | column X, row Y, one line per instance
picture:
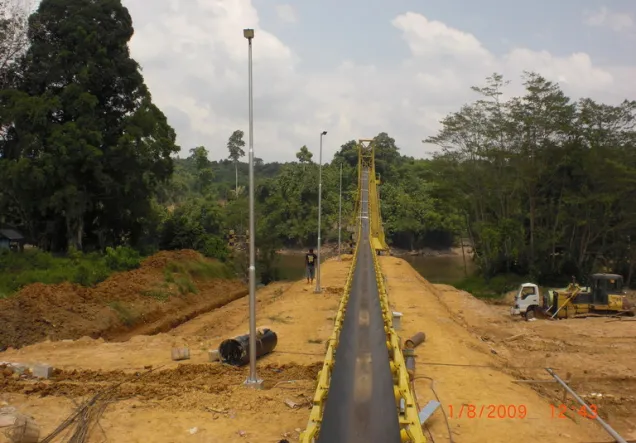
column 527, row 299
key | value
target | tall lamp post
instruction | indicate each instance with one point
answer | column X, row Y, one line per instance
column 252, row 380
column 340, row 215
column 318, row 288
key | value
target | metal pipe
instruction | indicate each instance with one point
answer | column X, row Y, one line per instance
column 318, row 288
column 252, row 379
column 607, row 427
column 409, row 362
column 235, row 351
column 340, row 215
column 415, row 341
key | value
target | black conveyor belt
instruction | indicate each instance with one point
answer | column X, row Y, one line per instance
column 361, row 407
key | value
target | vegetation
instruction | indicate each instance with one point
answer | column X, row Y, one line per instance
column 34, row 266
column 545, row 184
column 541, row 184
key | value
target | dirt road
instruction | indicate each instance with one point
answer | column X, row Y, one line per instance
column 205, row 402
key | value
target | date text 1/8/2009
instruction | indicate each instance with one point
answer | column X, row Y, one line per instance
column 487, row 411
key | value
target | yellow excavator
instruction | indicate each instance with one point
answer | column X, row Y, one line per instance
column 604, row 296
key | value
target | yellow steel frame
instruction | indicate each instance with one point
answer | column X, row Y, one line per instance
column 410, row 426
column 366, row 159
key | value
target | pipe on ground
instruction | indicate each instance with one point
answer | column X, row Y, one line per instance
column 235, row 351
column 409, row 352
column 415, row 341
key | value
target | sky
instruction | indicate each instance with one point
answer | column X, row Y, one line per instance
column 355, row 68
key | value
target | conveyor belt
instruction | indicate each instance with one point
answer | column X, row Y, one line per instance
column 361, row 404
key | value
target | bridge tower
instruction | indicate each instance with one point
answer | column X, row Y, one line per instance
column 366, row 161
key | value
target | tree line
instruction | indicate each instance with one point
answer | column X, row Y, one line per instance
column 544, row 184
column 540, row 183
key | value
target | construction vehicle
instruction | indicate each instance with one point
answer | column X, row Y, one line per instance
column 604, row 296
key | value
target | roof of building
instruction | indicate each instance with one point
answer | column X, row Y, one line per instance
column 607, row 276
column 11, row 234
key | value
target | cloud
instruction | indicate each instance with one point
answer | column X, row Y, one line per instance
column 617, row 21
column 286, row 13
column 195, row 63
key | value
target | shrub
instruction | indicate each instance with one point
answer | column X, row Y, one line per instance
column 492, row 288
column 122, row 258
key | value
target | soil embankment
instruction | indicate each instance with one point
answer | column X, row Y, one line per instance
column 193, row 401
column 167, row 289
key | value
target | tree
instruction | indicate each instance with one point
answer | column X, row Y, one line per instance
column 84, row 140
column 543, row 182
column 348, row 154
column 235, row 145
column 304, row 156
column 203, row 166
column 13, row 37
column 196, row 225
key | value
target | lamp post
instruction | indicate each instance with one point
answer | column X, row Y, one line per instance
column 318, row 288
column 340, row 215
column 252, row 379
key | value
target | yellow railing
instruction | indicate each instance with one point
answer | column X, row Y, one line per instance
column 410, row 426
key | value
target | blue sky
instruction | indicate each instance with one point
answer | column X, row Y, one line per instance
column 357, row 68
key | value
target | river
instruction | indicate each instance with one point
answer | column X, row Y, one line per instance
column 447, row 269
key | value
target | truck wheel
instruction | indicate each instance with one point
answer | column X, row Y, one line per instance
column 530, row 314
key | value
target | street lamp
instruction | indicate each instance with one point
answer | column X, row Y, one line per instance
column 252, row 379
column 340, row 215
column 318, row 289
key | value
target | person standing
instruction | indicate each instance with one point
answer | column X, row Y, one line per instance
column 310, row 265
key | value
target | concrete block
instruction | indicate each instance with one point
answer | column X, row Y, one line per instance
column 180, row 354
column 42, row 371
column 397, row 320
column 213, row 355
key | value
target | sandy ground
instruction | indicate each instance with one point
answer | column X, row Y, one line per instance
column 164, row 406
column 466, row 354
column 469, row 355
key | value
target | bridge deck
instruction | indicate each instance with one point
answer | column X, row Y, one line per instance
column 361, row 404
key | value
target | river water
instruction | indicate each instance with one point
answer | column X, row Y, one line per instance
column 447, row 269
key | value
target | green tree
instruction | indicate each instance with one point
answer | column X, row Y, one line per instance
column 85, row 147
column 203, row 166
column 304, row 156
column 197, row 224
column 542, row 182
column 235, row 145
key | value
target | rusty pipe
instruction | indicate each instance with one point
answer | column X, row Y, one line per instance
column 415, row 341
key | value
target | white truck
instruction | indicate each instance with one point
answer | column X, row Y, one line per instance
column 527, row 300
column 605, row 296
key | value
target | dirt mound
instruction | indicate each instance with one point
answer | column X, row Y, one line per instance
column 123, row 302
column 162, row 258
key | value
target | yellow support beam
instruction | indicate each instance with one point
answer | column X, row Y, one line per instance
column 366, row 159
